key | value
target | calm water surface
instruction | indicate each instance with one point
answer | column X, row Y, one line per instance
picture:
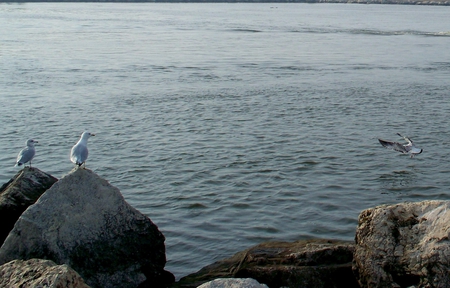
column 233, row 124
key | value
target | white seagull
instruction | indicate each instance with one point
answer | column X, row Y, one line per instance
column 79, row 153
column 402, row 148
column 27, row 153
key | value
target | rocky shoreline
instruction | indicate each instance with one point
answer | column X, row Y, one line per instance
column 79, row 231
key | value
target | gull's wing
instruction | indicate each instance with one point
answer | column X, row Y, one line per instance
column 25, row 155
column 406, row 139
column 79, row 154
column 395, row 146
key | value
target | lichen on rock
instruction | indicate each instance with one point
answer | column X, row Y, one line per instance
column 39, row 273
column 404, row 245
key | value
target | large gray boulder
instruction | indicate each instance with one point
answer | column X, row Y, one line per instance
column 84, row 222
column 39, row 273
column 19, row 193
column 404, row 245
column 317, row 263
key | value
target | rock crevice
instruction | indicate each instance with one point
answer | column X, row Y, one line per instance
column 19, row 193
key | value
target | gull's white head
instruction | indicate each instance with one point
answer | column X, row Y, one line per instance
column 86, row 135
column 31, row 142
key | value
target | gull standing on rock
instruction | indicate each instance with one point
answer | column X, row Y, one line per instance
column 27, row 153
column 79, row 153
column 402, row 148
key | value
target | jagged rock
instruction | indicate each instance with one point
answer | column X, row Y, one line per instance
column 233, row 283
column 307, row 263
column 39, row 273
column 404, row 245
column 84, row 222
column 19, row 193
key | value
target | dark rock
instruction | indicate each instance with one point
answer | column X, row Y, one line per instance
column 84, row 222
column 308, row 263
column 19, row 193
column 39, row 273
column 404, row 245
column 233, row 283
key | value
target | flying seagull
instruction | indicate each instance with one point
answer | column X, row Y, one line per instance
column 79, row 153
column 27, row 153
column 408, row 148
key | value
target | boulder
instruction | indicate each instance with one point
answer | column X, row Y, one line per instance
column 233, row 283
column 84, row 222
column 39, row 273
column 404, row 245
column 19, row 193
column 306, row 263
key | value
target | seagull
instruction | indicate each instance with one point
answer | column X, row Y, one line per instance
column 402, row 148
column 27, row 153
column 79, row 153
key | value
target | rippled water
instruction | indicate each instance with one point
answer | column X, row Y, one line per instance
column 232, row 124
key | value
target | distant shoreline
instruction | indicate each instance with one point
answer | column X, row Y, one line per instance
column 395, row 2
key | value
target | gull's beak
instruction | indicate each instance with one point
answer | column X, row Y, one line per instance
column 92, row 134
column 36, row 141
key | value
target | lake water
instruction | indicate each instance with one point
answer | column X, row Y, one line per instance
column 233, row 124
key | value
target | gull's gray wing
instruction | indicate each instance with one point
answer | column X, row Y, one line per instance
column 79, row 154
column 406, row 139
column 395, row 146
column 25, row 155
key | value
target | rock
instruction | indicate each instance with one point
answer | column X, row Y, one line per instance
column 308, row 263
column 404, row 245
column 84, row 222
column 19, row 193
column 39, row 273
column 233, row 283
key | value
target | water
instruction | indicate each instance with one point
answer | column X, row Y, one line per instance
column 233, row 124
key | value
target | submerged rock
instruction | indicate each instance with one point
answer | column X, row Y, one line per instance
column 84, row 222
column 39, row 273
column 19, row 193
column 308, row 263
column 404, row 245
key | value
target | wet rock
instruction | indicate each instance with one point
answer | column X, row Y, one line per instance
column 39, row 273
column 308, row 263
column 233, row 283
column 404, row 245
column 19, row 193
column 84, row 222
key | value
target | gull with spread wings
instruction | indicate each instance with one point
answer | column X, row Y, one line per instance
column 408, row 148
